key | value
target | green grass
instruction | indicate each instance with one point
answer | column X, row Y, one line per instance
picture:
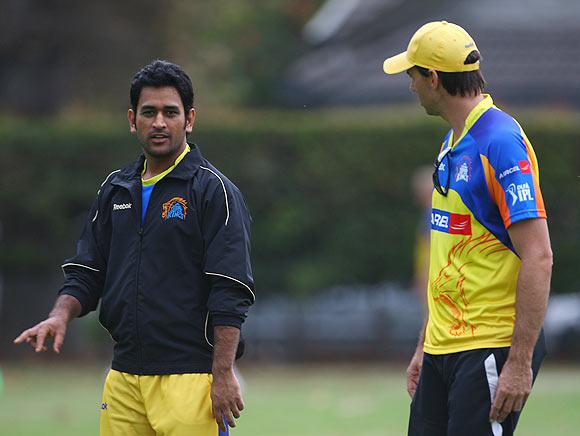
column 281, row 401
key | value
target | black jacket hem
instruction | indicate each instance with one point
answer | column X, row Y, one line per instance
column 158, row 368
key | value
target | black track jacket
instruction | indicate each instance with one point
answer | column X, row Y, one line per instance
column 165, row 283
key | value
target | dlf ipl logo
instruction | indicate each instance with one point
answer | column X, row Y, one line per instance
column 448, row 222
column 174, row 208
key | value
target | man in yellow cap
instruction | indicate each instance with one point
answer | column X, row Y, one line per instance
column 490, row 260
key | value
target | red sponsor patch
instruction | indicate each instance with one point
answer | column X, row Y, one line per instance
column 525, row 167
column 459, row 224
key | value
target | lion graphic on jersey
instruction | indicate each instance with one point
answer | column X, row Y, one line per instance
column 447, row 288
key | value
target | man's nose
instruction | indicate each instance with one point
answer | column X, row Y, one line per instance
column 159, row 121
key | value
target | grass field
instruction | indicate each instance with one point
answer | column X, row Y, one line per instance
column 280, row 401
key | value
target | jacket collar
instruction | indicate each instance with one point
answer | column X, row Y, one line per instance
column 131, row 173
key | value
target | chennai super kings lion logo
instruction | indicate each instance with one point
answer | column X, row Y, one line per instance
column 447, row 288
column 174, row 208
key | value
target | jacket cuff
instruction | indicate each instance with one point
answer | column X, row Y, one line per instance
column 79, row 295
column 227, row 320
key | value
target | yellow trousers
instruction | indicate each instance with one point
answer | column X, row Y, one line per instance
column 157, row 405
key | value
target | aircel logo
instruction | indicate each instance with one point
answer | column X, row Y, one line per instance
column 452, row 223
column 509, row 171
column 121, row 206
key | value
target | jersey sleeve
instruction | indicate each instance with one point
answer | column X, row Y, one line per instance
column 512, row 175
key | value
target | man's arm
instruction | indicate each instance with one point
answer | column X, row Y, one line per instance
column 65, row 308
column 532, row 243
column 416, row 364
column 226, row 394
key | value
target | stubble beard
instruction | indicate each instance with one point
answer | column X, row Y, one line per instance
column 164, row 152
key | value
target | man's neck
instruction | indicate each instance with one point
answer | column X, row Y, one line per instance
column 156, row 165
column 456, row 111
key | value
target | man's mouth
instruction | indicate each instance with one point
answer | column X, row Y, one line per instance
column 158, row 137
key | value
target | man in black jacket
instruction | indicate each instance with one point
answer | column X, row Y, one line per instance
column 166, row 251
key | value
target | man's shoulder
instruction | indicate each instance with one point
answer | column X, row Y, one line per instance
column 495, row 122
column 209, row 176
column 121, row 175
column 496, row 129
column 106, row 183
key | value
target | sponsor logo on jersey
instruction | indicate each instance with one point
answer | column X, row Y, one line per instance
column 453, row 223
column 521, row 192
column 525, row 167
column 121, row 206
column 174, row 208
column 509, row 171
column 103, row 406
column 463, row 169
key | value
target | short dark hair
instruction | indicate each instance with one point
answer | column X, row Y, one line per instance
column 162, row 73
column 468, row 83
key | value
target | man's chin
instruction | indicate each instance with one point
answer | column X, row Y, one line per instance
column 430, row 111
column 158, row 152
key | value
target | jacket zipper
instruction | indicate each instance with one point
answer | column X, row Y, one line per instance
column 137, row 293
column 137, row 280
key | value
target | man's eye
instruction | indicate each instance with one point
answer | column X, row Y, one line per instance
column 147, row 113
column 172, row 113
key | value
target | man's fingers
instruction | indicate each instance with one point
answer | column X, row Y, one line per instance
column 518, row 404
column 412, row 381
column 496, row 406
column 25, row 335
column 218, row 416
column 42, row 333
column 229, row 417
column 58, row 341
column 235, row 411
column 31, row 341
column 411, row 388
column 507, row 408
column 221, row 425
column 240, row 404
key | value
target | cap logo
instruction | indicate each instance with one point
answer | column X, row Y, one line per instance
column 471, row 44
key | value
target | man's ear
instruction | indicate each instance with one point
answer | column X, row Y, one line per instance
column 189, row 120
column 131, row 118
column 433, row 79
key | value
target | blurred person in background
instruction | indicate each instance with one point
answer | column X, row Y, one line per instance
column 490, row 262
column 166, row 251
column 422, row 190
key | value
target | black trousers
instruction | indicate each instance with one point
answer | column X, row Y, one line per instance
column 454, row 394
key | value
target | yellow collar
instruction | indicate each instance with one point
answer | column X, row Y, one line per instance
column 159, row 176
column 473, row 116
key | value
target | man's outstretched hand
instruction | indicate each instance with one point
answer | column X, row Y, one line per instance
column 66, row 308
column 53, row 327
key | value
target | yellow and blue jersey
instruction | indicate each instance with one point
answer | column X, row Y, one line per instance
column 493, row 182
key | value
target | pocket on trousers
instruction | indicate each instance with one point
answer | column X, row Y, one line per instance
column 188, row 397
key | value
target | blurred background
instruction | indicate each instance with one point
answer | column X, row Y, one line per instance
column 330, row 154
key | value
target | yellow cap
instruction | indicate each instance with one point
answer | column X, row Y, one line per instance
column 440, row 46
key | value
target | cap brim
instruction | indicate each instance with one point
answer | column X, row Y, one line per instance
column 397, row 64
